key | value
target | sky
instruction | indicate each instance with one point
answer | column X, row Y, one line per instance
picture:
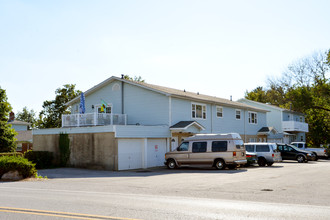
column 215, row 47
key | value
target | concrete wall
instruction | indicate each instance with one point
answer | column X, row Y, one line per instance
column 89, row 150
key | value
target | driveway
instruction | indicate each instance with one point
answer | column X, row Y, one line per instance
column 286, row 190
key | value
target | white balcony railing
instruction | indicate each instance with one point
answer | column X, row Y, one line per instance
column 93, row 119
column 294, row 126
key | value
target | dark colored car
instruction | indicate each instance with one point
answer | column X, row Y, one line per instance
column 290, row 152
column 251, row 158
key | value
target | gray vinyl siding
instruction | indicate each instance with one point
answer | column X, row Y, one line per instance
column 19, row 127
column 107, row 94
column 228, row 123
column 181, row 111
column 291, row 117
column 145, row 107
column 274, row 116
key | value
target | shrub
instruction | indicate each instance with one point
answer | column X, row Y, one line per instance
column 64, row 145
column 42, row 159
column 11, row 163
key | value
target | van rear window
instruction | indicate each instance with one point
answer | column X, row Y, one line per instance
column 219, row 146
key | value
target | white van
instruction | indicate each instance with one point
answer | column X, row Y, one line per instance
column 217, row 150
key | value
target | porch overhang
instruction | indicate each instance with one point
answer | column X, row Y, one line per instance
column 185, row 126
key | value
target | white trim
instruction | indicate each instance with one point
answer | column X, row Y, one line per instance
column 169, row 111
column 191, row 110
column 216, row 108
column 240, row 114
column 185, row 128
column 97, row 106
column 256, row 118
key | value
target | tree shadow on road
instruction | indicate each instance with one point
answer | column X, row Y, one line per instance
column 87, row 173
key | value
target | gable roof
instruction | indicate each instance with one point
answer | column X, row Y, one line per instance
column 182, row 94
column 183, row 125
column 269, row 106
column 18, row 122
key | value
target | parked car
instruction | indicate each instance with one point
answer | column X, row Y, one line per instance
column 291, row 152
column 217, row 150
column 267, row 153
column 319, row 152
column 251, row 158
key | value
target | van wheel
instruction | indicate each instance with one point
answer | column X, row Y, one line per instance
column 171, row 164
column 220, row 164
column 300, row 159
column 262, row 162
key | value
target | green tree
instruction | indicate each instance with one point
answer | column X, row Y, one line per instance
column 258, row 95
column 7, row 134
column 136, row 78
column 51, row 115
column 305, row 87
column 27, row 116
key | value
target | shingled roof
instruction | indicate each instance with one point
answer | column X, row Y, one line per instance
column 173, row 93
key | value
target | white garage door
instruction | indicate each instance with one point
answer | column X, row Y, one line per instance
column 130, row 153
column 156, row 152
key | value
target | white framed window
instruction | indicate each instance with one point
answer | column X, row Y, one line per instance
column 219, row 112
column 238, row 114
column 252, row 139
column 253, row 118
column 301, row 119
column 198, row 111
column 107, row 109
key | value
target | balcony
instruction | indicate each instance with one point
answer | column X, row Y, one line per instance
column 294, row 126
column 93, row 119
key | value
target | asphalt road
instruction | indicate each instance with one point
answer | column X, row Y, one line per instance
column 284, row 191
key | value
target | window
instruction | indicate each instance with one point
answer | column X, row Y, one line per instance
column 219, row 112
column 262, row 148
column 253, row 118
column 199, row 147
column 198, row 111
column 301, row 119
column 238, row 114
column 301, row 138
column 184, row 146
column 219, row 146
column 106, row 110
column 249, row 148
column 252, row 140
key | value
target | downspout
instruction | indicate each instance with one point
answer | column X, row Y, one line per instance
column 211, row 118
column 244, row 128
column 122, row 98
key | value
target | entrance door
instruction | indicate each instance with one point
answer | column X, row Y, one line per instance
column 174, row 143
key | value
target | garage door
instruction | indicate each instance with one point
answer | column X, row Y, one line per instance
column 156, row 152
column 130, row 154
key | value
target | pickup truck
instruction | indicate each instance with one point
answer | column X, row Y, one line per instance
column 319, row 152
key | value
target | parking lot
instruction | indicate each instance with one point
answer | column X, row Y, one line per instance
column 287, row 190
column 289, row 182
